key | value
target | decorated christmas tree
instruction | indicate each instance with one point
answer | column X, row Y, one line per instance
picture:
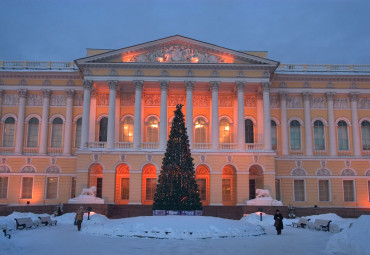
column 176, row 188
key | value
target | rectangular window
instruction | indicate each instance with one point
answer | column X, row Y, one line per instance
column 348, row 190
column 73, row 187
column 125, row 182
column 324, row 190
column 27, row 186
column 51, row 187
column 277, row 189
column 202, row 189
column 3, row 187
column 151, row 184
column 299, row 193
column 226, row 190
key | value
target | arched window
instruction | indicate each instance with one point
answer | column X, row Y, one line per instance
column 273, row 135
column 343, row 136
column 78, row 133
column 295, row 135
column 152, row 135
column 57, row 133
column 128, row 130
column 33, row 133
column 365, row 133
column 9, row 131
column 249, row 133
column 200, row 131
column 225, row 131
column 319, row 136
column 103, row 129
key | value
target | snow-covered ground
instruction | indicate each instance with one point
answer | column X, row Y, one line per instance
column 184, row 235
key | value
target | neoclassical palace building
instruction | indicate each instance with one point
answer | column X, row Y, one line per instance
column 300, row 131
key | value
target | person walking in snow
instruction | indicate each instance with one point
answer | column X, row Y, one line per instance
column 278, row 222
column 79, row 217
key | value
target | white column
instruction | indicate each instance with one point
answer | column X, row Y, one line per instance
column 118, row 116
column 355, row 127
column 163, row 116
column 137, row 116
column 92, row 119
column 215, row 122
column 20, row 124
column 241, row 121
column 331, row 124
column 44, row 122
column 307, row 123
column 266, row 116
column 189, row 85
column 111, row 114
column 68, row 127
column 1, row 102
column 86, row 113
column 260, row 117
column 284, row 124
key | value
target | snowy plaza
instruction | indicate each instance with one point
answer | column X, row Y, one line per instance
column 184, row 235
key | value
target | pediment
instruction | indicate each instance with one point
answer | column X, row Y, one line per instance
column 176, row 49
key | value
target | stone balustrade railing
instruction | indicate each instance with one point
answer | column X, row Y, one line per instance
column 37, row 65
column 322, row 68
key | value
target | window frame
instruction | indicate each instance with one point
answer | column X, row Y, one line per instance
column 329, row 190
column 304, row 190
column 347, row 134
column 47, row 187
column 28, row 133
column 290, row 136
column 4, row 132
column 128, row 188
column 323, row 138
column 353, row 190
column 22, row 187
column 52, row 137
column 367, row 138
column 7, row 187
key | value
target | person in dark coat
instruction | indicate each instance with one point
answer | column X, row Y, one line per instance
column 79, row 217
column 278, row 222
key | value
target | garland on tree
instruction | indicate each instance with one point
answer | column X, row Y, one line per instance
column 177, row 188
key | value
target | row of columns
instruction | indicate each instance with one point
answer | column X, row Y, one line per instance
column 331, row 124
column 43, row 145
column 189, row 85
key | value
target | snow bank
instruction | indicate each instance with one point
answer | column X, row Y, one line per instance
column 10, row 222
column 354, row 240
column 172, row 227
column 255, row 219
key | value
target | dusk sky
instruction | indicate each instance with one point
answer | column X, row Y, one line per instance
column 292, row 31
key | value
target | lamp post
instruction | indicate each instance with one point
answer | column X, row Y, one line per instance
column 260, row 211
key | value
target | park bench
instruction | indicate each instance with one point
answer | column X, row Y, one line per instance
column 47, row 221
column 5, row 229
column 23, row 223
column 319, row 225
column 302, row 222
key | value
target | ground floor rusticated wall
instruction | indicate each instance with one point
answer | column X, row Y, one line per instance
column 224, row 179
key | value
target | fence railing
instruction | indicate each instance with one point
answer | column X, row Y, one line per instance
column 30, row 150
column 97, row 145
column 150, row 146
column 55, row 151
column 123, row 145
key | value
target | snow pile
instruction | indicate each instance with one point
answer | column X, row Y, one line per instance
column 354, row 240
column 255, row 219
column 10, row 222
column 172, row 227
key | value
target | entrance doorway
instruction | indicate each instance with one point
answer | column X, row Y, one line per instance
column 252, row 189
column 99, row 187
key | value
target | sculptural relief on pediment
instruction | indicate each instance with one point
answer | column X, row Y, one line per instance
column 174, row 100
column 10, row 99
column 175, row 54
column 250, row 101
column 225, row 101
column 152, row 100
column 127, row 99
column 341, row 103
column 201, row 101
column 294, row 102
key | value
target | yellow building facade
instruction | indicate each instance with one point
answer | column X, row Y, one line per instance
column 300, row 131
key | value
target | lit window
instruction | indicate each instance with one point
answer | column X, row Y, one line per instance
column 365, row 132
column 9, row 131
column 224, row 131
column 226, row 190
column 27, row 186
column 319, row 136
column 299, row 190
column 3, row 187
column 73, row 187
column 295, row 135
column 51, row 187
column 324, row 195
column 152, row 129
column 57, row 133
column 128, row 130
column 125, row 182
column 348, row 190
column 33, row 133
column 342, row 136
column 200, row 131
